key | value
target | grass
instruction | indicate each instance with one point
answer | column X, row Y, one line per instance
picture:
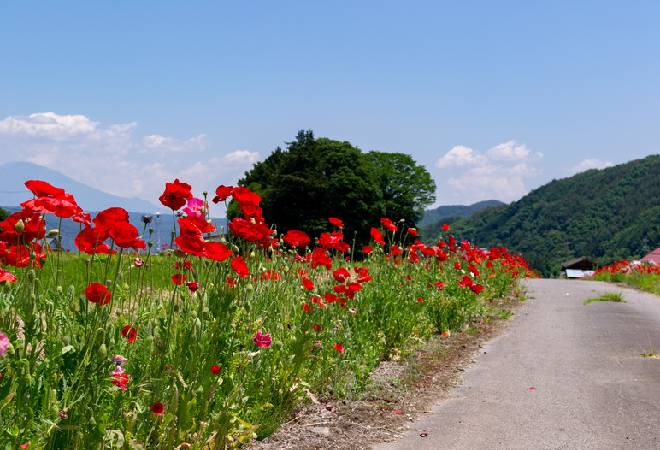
column 616, row 297
column 651, row 354
column 649, row 282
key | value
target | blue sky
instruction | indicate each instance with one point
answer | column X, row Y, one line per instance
column 494, row 98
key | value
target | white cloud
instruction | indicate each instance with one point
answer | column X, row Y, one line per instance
column 590, row 163
column 509, row 151
column 156, row 142
column 112, row 158
column 241, row 157
column 459, row 156
column 53, row 126
column 501, row 172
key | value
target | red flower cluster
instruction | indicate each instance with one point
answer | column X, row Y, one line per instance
column 111, row 223
column 625, row 266
column 21, row 231
column 334, row 240
column 50, row 199
column 468, row 282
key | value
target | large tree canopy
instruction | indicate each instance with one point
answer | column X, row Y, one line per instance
column 313, row 179
column 407, row 188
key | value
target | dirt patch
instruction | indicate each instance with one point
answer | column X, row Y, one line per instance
column 398, row 392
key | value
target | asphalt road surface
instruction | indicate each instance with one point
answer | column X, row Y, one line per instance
column 564, row 375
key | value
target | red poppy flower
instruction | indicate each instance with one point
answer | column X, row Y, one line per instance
column 341, row 275
column 120, row 378
column 412, row 232
column 306, row 307
column 23, row 255
column 308, row 284
column 367, row 250
column 330, row 298
column 110, row 216
column 319, row 257
column 22, row 227
column 90, row 240
column 186, row 265
column 296, row 238
column 239, row 266
column 333, row 240
column 215, row 369
column 176, row 194
column 222, row 192
column 232, row 283
column 129, row 333
column 439, row 285
column 178, row 279
column 217, row 251
column 445, row 227
column 192, row 286
column 125, row 235
column 251, row 232
column 377, row 236
column 339, row 347
column 476, row 288
column 388, row 224
column 157, row 408
column 6, row 277
column 363, row 274
column 262, row 340
column 63, row 206
column 42, row 189
column 98, row 293
column 191, row 244
column 336, row 222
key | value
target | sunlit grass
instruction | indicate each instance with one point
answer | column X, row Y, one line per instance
column 616, row 297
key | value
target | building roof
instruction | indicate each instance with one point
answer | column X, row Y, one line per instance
column 581, row 263
column 653, row 257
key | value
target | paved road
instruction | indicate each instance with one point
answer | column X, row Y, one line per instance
column 563, row 376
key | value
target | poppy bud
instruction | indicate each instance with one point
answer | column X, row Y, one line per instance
column 20, row 226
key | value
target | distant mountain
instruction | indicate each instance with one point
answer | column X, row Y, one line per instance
column 606, row 214
column 433, row 216
column 13, row 192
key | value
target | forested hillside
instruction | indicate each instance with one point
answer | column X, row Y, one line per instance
column 607, row 214
column 435, row 216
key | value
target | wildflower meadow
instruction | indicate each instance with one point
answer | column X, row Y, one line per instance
column 641, row 276
column 217, row 340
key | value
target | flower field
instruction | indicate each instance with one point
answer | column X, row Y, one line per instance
column 218, row 339
column 642, row 276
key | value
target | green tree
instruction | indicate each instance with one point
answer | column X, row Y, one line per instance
column 407, row 188
column 316, row 178
column 3, row 214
